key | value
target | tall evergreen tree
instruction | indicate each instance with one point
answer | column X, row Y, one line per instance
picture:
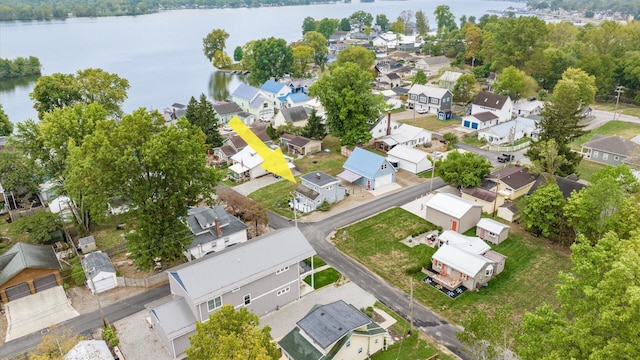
column 314, row 128
column 201, row 114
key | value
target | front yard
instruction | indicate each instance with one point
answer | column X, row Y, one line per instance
column 527, row 281
column 429, row 122
column 620, row 128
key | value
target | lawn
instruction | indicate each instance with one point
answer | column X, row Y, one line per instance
column 528, row 279
column 317, row 262
column 429, row 122
column 622, row 108
column 473, row 141
column 106, row 234
column 276, row 197
column 587, row 168
column 620, row 128
column 331, row 163
column 323, row 278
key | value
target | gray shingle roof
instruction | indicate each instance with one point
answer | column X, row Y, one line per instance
column 490, row 100
column 327, row 324
column 295, row 114
column 308, row 193
column 319, row 178
column 480, row 193
column 518, row 179
column 201, row 221
column 97, row 262
column 611, row 144
column 227, row 108
column 485, row 116
column 22, row 256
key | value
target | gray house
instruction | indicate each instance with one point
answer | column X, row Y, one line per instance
column 261, row 275
column 214, row 229
column 226, row 111
column 453, row 212
column 429, row 99
column 610, row 150
column 315, row 188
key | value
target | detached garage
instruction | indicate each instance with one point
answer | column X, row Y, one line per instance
column 410, row 159
column 100, row 273
column 26, row 269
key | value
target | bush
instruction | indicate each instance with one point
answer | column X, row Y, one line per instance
column 109, row 335
column 77, row 273
column 325, row 206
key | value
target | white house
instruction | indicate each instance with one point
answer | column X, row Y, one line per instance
column 274, row 90
column 246, row 164
column 501, row 105
column 510, row 131
column 100, row 273
column 527, row 108
column 213, row 230
column 404, row 134
column 409, row 158
column 480, row 121
column 316, row 188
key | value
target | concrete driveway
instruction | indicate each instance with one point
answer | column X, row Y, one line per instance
column 38, row 311
column 256, row 184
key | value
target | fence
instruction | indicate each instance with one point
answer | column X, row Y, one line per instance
column 148, row 282
column 508, row 148
column 115, row 250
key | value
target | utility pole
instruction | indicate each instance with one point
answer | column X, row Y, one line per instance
column 411, row 309
column 619, row 90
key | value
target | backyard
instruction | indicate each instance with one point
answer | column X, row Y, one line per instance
column 528, row 279
column 623, row 129
column 429, row 122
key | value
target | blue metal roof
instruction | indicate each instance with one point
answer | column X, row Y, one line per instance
column 364, row 162
column 272, row 86
column 245, row 91
column 299, row 97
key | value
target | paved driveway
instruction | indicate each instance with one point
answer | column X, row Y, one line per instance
column 256, row 184
column 38, row 311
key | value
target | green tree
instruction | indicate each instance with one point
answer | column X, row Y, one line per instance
column 358, row 55
column 308, row 24
column 515, row 41
column 488, row 336
column 6, row 126
column 598, row 314
column 327, row 27
column 463, row 90
column 231, row 334
column 349, row 105
column 555, row 63
column 18, row 174
column 200, row 113
column 39, row 226
column 314, row 128
column 273, row 58
column 382, row 21
column 54, row 91
column 420, row 78
column 160, row 169
column 302, row 57
column 345, row 25
column 463, row 170
column 422, row 23
column 397, row 27
column 543, row 212
column 319, row 44
column 215, row 42
column 547, row 157
column 510, row 82
column 237, row 54
column 445, row 20
column 361, row 19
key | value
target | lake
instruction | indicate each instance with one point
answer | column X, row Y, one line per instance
column 161, row 54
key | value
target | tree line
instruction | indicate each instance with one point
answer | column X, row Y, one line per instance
column 631, row 7
column 19, row 67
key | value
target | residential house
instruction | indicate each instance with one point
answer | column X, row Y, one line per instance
column 567, row 185
column 527, row 108
column 387, row 67
column 510, row 131
column 275, row 90
column 609, row 150
column 368, row 170
column 480, row 121
column 333, row 331
column 464, row 261
column 261, row 275
column 489, row 200
column 387, row 40
column 213, row 230
column 293, row 100
column 409, row 159
column 89, row 349
column 500, row 105
column 299, row 85
column 246, row 118
column 492, row 231
column 388, row 81
column 26, row 269
column 452, row 212
column 316, row 188
column 449, row 79
column 512, row 182
column 234, row 144
column 297, row 116
column 382, row 126
column 300, row 145
column 403, row 134
column 254, row 101
column 226, row 111
column 431, row 65
column 247, row 165
column 509, row 211
column 339, row 36
column 430, row 98
column 99, row 271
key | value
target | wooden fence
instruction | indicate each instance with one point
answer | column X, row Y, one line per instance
column 148, row 282
column 508, row 148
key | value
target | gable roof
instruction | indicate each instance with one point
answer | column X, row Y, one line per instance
column 436, row 60
column 272, row 86
column 518, row 179
column 247, row 92
column 490, row 100
column 393, row 76
column 248, row 158
column 403, row 133
column 242, row 264
column 201, row 221
column 327, row 324
column 319, row 178
column 89, row 350
column 521, row 124
column 364, row 163
column 485, row 116
column 450, row 76
column 307, row 192
column 611, row 144
column 431, row 91
column 175, row 317
column 470, row 244
column 23, row 256
column 567, row 185
column 451, row 204
column 300, row 141
column 294, row 114
column 480, row 193
column 407, row 153
column 227, row 108
column 239, row 142
column 97, row 262
column 465, row 262
column 298, row 97
column 495, row 227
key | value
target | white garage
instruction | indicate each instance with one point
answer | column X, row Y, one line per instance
column 100, row 273
column 409, row 159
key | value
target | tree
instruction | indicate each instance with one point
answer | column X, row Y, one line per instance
column 422, row 23
column 473, row 42
column 358, row 55
column 547, row 157
column 345, row 25
column 543, row 210
column 237, row 54
column 327, row 27
column 302, row 57
column 201, row 114
column 314, row 129
column 407, row 17
column 397, row 27
column 598, row 314
column 56, row 343
column 361, row 19
column 488, row 336
column 554, row 63
column 160, row 169
column 420, row 78
column 515, row 41
column 308, row 24
column 248, row 62
column 445, row 20
column 511, row 82
column 6, row 126
column 18, row 174
column 39, row 226
column 463, row 90
column 382, row 21
column 54, row 91
column 348, row 102
column 231, row 334
column 214, row 42
column 463, row 170
column 273, row 58
column 318, row 42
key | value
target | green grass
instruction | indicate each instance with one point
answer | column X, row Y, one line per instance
column 429, row 122
column 106, row 234
column 323, row 278
column 317, row 262
column 527, row 281
column 276, row 197
column 473, row 141
column 587, row 168
column 620, row 128
column 625, row 109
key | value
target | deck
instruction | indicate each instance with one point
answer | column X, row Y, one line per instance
column 448, row 282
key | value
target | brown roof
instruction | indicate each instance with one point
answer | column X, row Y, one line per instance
column 295, row 114
column 518, row 179
column 227, row 150
column 566, row 184
column 611, row 144
column 485, row 116
column 311, row 194
column 506, row 171
column 239, row 143
column 491, row 100
column 482, row 194
column 511, row 206
column 299, row 141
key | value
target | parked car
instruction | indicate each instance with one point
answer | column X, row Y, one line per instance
column 505, row 158
column 226, row 127
column 422, row 111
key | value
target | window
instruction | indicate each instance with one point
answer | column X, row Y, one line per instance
column 283, row 291
column 236, row 289
column 605, row 156
column 384, row 166
column 247, row 299
column 423, row 99
column 214, row 303
column 226, row 240
column 348, row 343
column 265, row 105
column 616, row 158
column 434, row 101
column 412, row 96
column 278, row 272
column 375, row 342
column 488, row 271
column 360, row 351
column 595, row 154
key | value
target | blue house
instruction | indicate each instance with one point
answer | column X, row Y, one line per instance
column 292, row 100
column 368, row 170
column 275, row 90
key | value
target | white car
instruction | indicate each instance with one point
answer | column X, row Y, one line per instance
column 226, row 127
column 422, row 111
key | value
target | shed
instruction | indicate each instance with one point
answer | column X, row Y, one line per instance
column 492, row 231
column 100, row 273
column 453, row 212
column 410, row 159
column 87, row 244
column 509, row 211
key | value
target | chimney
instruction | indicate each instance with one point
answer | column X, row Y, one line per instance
column 388, row 123
column 218, row 231
column 317, row 175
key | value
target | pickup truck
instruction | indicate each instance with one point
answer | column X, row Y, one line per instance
column 505, row 158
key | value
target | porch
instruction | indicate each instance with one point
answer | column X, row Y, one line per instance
column 449, row 282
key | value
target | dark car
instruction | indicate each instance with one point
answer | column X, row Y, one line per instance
column 506, row 158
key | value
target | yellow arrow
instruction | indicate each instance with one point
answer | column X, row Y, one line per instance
column 274, row 160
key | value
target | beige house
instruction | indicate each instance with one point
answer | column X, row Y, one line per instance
column 300, row 145
column 508, row 211
column 489, row 200
column 333, row 331
column 453, row 212
column 296, row 115
column 512, row 182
